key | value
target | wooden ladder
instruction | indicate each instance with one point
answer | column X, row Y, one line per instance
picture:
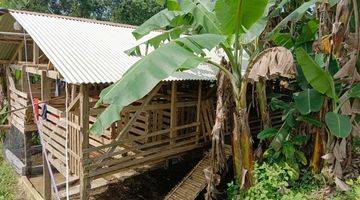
column 194, row 182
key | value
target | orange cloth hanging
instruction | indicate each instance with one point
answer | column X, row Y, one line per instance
column 36, row 106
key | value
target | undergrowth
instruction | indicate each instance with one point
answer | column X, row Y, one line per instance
column 7, row 179
column 277, row 182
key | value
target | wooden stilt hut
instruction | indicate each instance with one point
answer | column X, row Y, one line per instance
column 70, row 60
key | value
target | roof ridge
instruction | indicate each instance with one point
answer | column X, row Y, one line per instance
column 72, row 18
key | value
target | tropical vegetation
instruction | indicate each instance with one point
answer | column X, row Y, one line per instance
column 309, row 48
column 293, row 57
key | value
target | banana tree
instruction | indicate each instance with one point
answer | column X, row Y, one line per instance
column 193, row 27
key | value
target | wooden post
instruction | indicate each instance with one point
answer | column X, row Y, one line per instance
column 173, row 112
column 27, row 156
column 84, row 141
column 35, row 53
column 19, row 53
column 45, row 95
column 198, row 115
column 24, row 80
column 8, row 85
column 45, row 86
column 47, row 179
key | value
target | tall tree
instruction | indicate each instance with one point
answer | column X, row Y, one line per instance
column 133, row 12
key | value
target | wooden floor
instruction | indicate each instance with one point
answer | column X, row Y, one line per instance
column 194, row 182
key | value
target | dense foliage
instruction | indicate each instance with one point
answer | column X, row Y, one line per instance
column 133, row 12
column 274, row 182
column 309, row 48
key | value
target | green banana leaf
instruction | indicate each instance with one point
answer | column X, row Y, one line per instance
column 308, row 101
column 319, row 79
column 161, row 20
column 309, row 119
column 156, row 41
column 258, row 27
column 145, row 74
column 339, row 125
column 240, row 14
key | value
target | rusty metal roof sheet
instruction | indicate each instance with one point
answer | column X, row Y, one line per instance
column 89, row 51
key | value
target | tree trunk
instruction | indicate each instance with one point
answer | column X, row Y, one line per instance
column 218, row 158
column 263, row 106
column 316, row 160
column 315, row 164
column 242, row 143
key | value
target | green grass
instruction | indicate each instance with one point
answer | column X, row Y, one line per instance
column 7, row 179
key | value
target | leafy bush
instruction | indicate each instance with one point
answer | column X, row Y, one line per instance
column 275, row 181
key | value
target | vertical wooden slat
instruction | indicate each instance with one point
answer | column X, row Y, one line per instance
column 8, row 77
column 24, row 82
column 45, row 86
column 35, row 53
column 47, row 179
column 84, row 143
column 173, row 112
column 45, row 95
column 198, row 115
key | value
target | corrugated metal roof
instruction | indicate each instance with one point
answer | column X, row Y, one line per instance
column 89, row 51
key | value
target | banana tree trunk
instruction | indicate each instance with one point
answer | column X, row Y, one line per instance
column 242, row 143
column 315, row 164
column 218, row 158
column 263, row 106
column 316, row 160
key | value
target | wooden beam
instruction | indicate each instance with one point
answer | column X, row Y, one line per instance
column 24, row 80
column 74, row 103
column 173, row 112
column 47, row 179
column 45, row 87
column 45, row 96
column 4, row 61
column 36, row 52
column 84, row 141
column 14, row 33
column 198, row 114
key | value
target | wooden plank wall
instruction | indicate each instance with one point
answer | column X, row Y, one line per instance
column 147, row 141
column 22, row 119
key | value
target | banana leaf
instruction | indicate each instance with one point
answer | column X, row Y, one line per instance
column 145, row 74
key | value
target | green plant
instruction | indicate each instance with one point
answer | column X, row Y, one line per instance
column 232, row 190
column 272, row 182
column 285, row 142
column 7, row 180
column 356, row 145
column 3, row 118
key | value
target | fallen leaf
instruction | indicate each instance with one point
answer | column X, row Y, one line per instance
column 356, row 106
column 336, row 151
column 346, row 108
column 343, row 148
column 341, row 185
column 338, row 169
